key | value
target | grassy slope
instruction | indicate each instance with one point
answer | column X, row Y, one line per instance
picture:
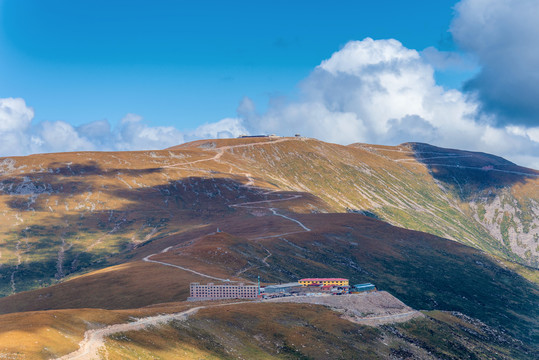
column 63, row 214
column 67, row 213
column 106, row 209
column 53, row 333
column 424, row 271
column 394, row 183
column 299, row 331
column 261, row 331
column 48, row 334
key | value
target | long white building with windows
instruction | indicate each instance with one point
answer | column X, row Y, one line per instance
column 227, row 291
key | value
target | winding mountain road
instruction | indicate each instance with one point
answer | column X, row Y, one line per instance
column 95, row 339
column 221, row 150
column 245, row 205
column 147, row 259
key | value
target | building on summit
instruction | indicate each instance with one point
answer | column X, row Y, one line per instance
column 323, row 281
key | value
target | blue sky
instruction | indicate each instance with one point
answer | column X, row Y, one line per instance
column 80, row 61
column 127, row 75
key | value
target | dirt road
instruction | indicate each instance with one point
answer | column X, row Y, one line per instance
column 221, row 150
column 95, row 339
column 372, row 309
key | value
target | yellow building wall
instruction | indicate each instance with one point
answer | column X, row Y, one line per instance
column 325, row 282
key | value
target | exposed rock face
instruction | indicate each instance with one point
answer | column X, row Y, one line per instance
column 511, row 222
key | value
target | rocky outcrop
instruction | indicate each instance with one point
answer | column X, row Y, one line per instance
column 513, row 223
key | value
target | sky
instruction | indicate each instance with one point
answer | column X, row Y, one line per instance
column 134, row 75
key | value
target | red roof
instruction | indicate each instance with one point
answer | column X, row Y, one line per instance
column 324, row 279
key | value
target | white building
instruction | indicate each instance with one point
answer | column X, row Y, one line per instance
column 228, row 291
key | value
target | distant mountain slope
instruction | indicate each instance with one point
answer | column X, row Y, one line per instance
column 418, row 186
column 501, row 196
column 66, row 213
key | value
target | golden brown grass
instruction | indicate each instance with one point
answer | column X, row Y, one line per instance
column 300, row 331
column 110, row 202
column 238, row 331
column 129, row 285
column 54, row 333
column 129, row 191
column 47, row 334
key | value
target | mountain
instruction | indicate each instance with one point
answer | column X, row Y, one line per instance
column 441, row 229
column 63, row 213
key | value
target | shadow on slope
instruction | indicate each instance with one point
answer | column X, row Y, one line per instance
column 300, row 331
column 424, row 271
column 64, row 244
column 469, row 173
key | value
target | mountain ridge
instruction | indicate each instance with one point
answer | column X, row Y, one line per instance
column 119, row 199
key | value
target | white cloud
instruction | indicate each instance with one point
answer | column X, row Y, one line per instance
column 225, row 128
column 59, row 136
column 15, row 119
column 503, row 35
column 133, row 134
column 378, row 91
column 21, row 135
column 14, row 115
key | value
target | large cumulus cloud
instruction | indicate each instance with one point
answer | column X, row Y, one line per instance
column 21, row 135
column 375, row 91
column 379, row 91
column 15, row 119
column 504, row 36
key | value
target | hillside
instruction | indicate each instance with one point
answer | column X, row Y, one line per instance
column 261, row 331
column 313, row 332
column 424, row 271
column 63, row 213
column 126, row 230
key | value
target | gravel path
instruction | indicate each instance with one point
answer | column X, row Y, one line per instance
column 373, row 308
column 95, row 339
